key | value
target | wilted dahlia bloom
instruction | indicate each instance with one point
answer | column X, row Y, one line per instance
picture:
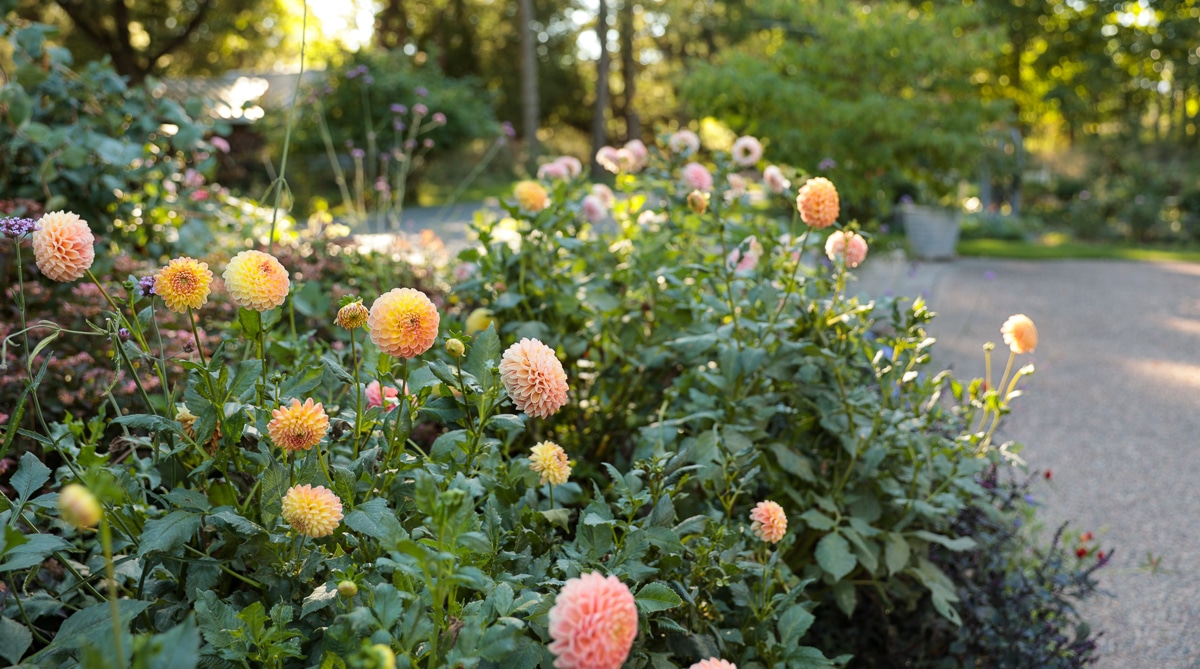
column 1020, row 334
column 774, row 179
column 697, row 177
column 298, row 427
column 62, row 246
column 848, row 244
column 314, row 512
column 769, row 522
column 78, row 506
column 550, row 460
column 818, row 203
column 593, row 623
column 534, row 378
column 256, row 280
column 531, row 196
column 713, row 663
column 183, row 284
column 747, row 151
column 684, row 143
column 404, row 322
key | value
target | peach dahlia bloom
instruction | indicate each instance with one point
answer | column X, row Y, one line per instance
column 531, row 196
column 78, row 506
column 850, row 245
column 593, row 623
column 774, row 179
column 713, row 663
column 377, row 394
column 298, row 427
column 404, row 322
column 62, row 246
column 256, row 280
column 769, row 522
column 314, row 512
column 550, row 460
column 183, row 284
column 1020, row 334
column 534, row 378
column 818, row 203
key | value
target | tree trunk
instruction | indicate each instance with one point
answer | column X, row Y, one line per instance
column 391, row 25
column 599, row 126
column 633, row 124
column 529, row 82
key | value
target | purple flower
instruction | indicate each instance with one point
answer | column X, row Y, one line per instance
column 368, row 79
column 509, row 130
column 421, row 91
column 399, row 109
column 989, row 275
column 827, row 164
column 17, row 227
column 123, row 334
column 382, row 186
column 398, row 125
column 884, row 228
column 906, row 199
column 439, row 118
column 358, row 154
column 420, row 110
column 145, row 286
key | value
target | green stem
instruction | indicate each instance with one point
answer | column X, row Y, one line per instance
column 287, row 136
column 358, row 395
column 110, row 571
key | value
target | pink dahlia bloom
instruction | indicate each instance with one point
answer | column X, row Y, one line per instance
column 846, row 244
column 593, row 209
column 697, row 177
column 747, row 151
column 376, row 394
column 593, row 623
column 768, row 522
column 638, row 152
column 609, row 158
column 606, row 195
column 713, row 663
column 774, row 179
column 684, row 143
column 739, row 261
column 571, row 164
column 534, row 378
column 552, row 171
column 62, row 246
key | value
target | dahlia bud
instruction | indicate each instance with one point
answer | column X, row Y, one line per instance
column 351, row 316
column 347, row 589
column 78, row 506
column 697, row 202
column 455, row 348
column 123, row 333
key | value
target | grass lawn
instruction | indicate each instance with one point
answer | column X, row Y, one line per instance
column 1052, row 248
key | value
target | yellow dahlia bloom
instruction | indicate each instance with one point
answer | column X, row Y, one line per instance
column 1020, row 334
column 818, row 203
column 534, row 378
column 62, row 246
column 549, row 460
column 351, row 316
column 78, row 506
column 456, row 348
column 479, row 320
column 298, row 427
column 403, row 322
column 183, row 284
column 531, row 196
column 313, row 512
column 768, row 522
column 256, row 280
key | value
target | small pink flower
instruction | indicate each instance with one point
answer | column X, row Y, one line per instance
column 571, row 164
column 220, row 143
column 464, row 271
column 637, row 150
column 552, row 171
column 713, row 663
column 769, row 522
column 697, row 177
column 606, row 195
column 376, row 393
column 847, row 244
column 684, row 143
column 609, row 158
column 593, row 623
column 774, row 179
column 741, row 262
column 593, row 209
column 747, row 151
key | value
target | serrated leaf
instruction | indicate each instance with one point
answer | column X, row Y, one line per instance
column 896, row 553
column 959, row 544
column 320, row 598
column 15, row 639
column 31, row 475
column 33, row 550
column 560, row 517
column 177, row 648
column 485, row 351
column 151, row 422
column 834, row 556
column 94, row 622
column 655, row 597
column 792, row 625
column 817, row 520
column 168, row 533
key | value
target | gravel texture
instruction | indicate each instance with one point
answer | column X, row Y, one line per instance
column 1113, row 411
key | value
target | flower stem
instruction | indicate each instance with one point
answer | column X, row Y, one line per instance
column 110, row 571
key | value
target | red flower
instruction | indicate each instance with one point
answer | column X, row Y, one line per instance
column 1100, row 556
column 1081, row 552
column 1049, row 474
column 1087, row 536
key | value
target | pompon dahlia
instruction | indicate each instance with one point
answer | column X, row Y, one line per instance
column 684, row 143
column 818, row 203
column 377, row 394
column 769, row 522
column 848, row 244
column 774, row 179
column 713, row 663
column 531, row 196
column 313, row 512
column 403, row 322
column 593, row 623
column 550, row 460
column 1020, row 334
column 534, row 378
column 351, row 316
column 183, row 284
column 78, row 506
column 298, row 427
column 747, row 151
column 62, row 246
column 697, row 177
column 256, row 280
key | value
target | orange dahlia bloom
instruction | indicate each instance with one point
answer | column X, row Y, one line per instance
column 351, row 316
column 298, row 427
column 818, row 203
column 403, row 322
column 78, row 506
column 531, row 196
column 183, row 284
column 593, row 623
column 1020, row 334
column 256, row 280
column 550, row 460
column 62, row 246
column 534, row 378
column 313, row 512
column 769, row 522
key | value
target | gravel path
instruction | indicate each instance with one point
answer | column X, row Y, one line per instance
column 1113, row 411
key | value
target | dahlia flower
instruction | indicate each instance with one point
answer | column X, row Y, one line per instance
column 479, row 320
column 850, row 245
column 377, row 394
column 684, row 143
column 698, row 202
column 78, row 506
column 313, row 512
column 713, row 663
column 1020, row 334
column 740, row 262
column 769, row 522
column 609, row 158
column 62, row 246
column 593, row 209
column 351, row 316
column 818, row 203
column 531, row 196
column 593, row 623
column 549, row 460
column 637, row 149
column 534, row 378
column 606, row 194
column 552, row 171
column 183, row 284
column 697, row 177
column 256, row 280
column 774, row 179
column 747, row 151
column 403, row 322
column 572, row 165
column 298, row 427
